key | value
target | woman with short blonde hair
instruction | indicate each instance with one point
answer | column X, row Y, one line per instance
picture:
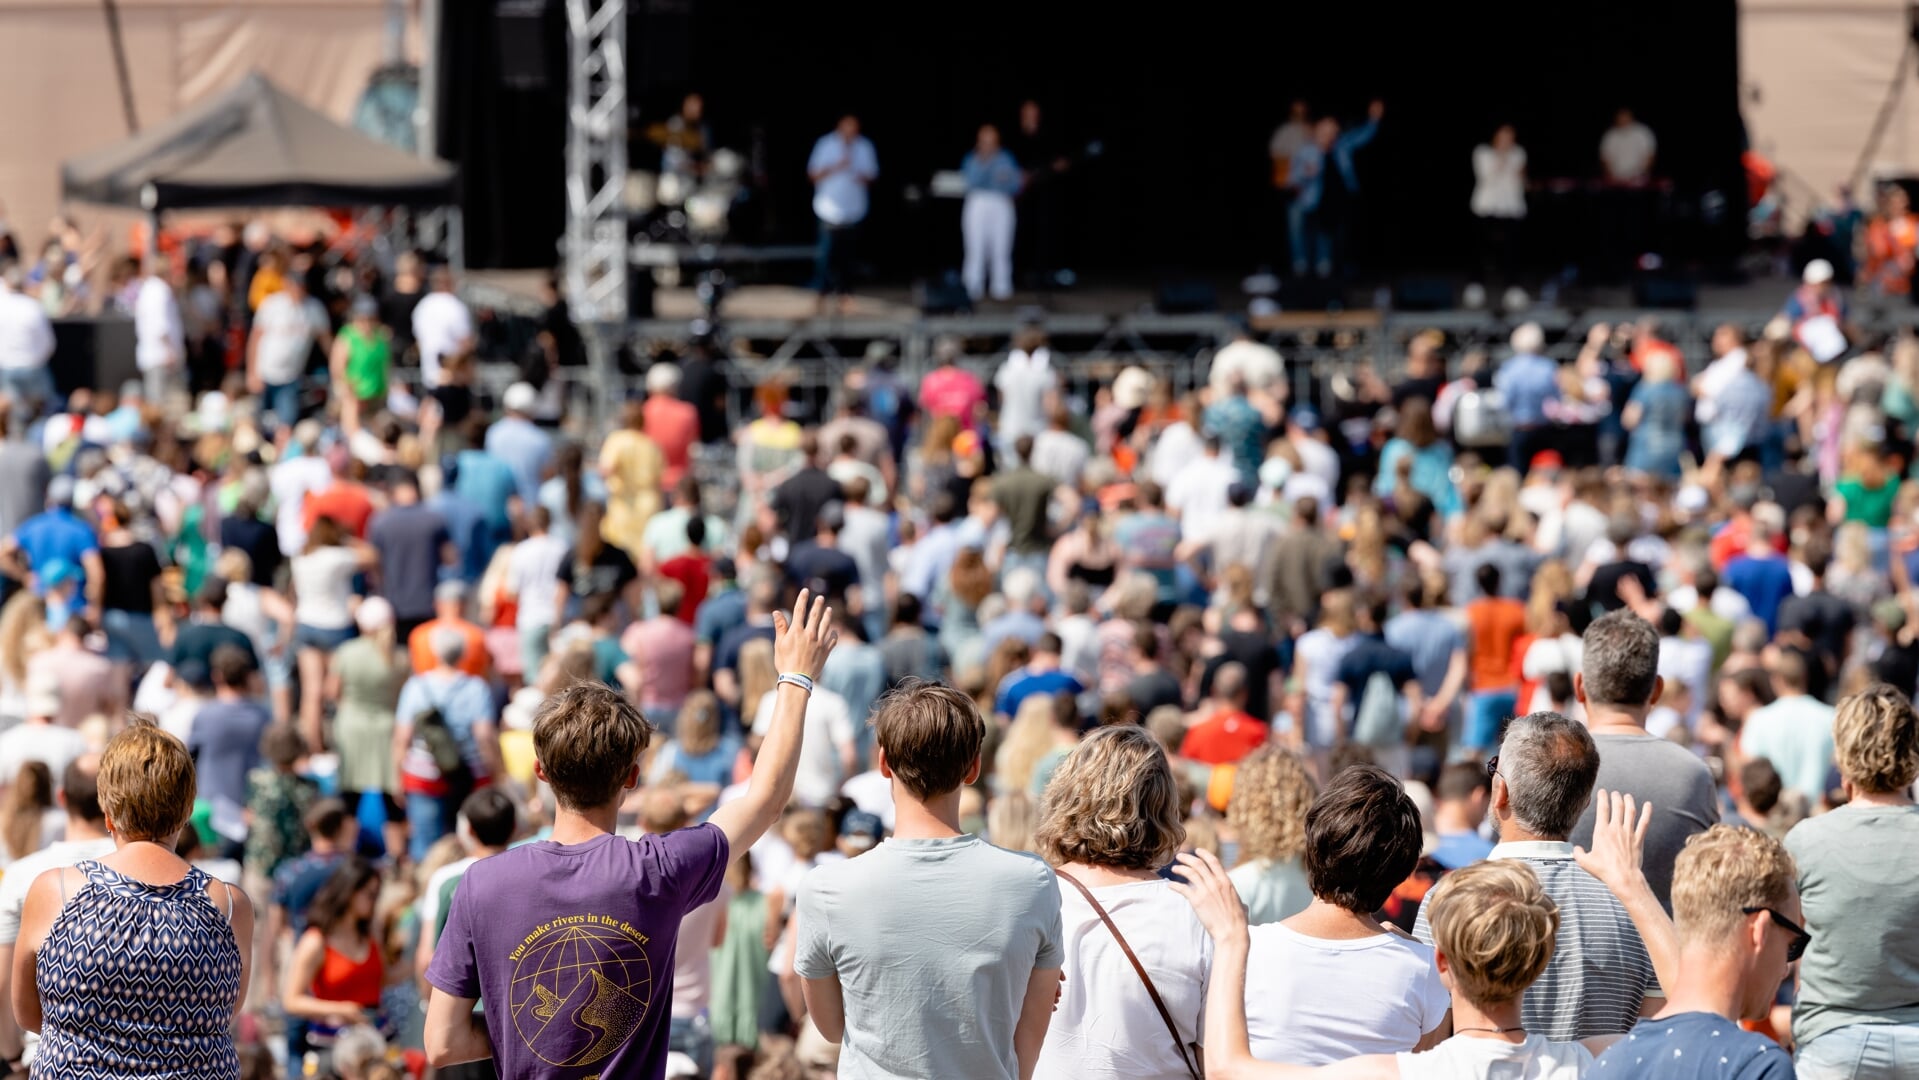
column 1109, row 820
column 138, row 958
column 1857, row 980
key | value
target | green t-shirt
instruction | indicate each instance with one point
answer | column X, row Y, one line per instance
column 369, row 357
column 1868, row 506
column 1862, row 965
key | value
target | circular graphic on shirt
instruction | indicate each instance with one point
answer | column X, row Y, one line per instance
column 581, row 987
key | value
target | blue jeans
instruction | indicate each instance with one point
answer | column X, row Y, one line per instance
column 131, row 638
column 693, row 1036
column 1312, row 242
column 833, row 264
column 1861, row 1052
column 29, row 389
column 427, row 819
column 283, row 401
column 1484, row 713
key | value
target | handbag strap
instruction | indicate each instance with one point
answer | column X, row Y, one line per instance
column 1152, row 991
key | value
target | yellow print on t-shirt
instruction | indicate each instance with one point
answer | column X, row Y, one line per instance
column 581, row 988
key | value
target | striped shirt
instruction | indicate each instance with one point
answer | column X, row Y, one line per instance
column 1600, row 974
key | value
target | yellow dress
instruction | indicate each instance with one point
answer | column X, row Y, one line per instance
column 633, row 468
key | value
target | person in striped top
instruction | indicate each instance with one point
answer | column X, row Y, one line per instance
column 1600, row 980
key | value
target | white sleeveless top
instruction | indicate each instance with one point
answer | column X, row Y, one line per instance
column 1463, row 1057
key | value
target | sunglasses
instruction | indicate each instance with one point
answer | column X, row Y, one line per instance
column 1800, row 936
column 1492, row 766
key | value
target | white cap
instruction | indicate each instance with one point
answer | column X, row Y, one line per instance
column 1133, row 386
column 521, row 397
column 1818, row 272
column 373, row 615
column 663, row 379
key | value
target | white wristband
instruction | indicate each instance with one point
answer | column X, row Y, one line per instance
column 794, row 678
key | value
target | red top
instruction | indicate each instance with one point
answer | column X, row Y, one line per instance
column 694, row 571
column 342, row 978
column 674, row 426
column 343, row 502
column 1223, row 738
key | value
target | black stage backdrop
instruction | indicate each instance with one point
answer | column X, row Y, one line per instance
column 1182, row 99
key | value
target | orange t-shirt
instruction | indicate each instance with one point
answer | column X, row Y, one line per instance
column 1225, row 737
column 1494, row 623
column 419, row 646
column 345, row 503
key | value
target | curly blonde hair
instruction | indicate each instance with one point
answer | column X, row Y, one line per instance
column 1271, row 791
column 1875, row 737
column 1496, row 927
column 1112, row 803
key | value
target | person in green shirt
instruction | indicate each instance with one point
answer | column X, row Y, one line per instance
column 1865, row 492
column 362, row 357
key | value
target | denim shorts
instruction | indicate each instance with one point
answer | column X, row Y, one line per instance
column 314, row 637
column 1861, row 1052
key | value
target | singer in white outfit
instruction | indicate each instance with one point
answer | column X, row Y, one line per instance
column 986, row 220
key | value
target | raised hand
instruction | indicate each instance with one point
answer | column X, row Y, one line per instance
column 1211, row 893
column 802, row 642
column 1619, row 841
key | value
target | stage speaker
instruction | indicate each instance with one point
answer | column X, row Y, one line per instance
column 1424, row 294
column 522, row 35
column 1665, row 291
column 92, row 354
column 1185, row 296
column 943, row 296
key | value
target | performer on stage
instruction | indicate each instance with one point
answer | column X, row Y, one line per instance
column 987, row 219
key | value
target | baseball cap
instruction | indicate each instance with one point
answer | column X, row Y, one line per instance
column 1817, row 272
column 60, row 491
column 1547, row 459
column 662, row 378
column 454, row 591
column 521, row 397
column 1306, row 419
column 862, row 829
column 365, row 307
column 966, row 444
column 373, row 615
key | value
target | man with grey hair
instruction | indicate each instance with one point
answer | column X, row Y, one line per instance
column 1618, row 683
column 1526, row 383
column 463, row 704
column 1600, row 979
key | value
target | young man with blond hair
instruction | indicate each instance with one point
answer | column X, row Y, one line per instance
column 1494, row 929
column 571, row 941
column 934, row 954
column 1735, row 930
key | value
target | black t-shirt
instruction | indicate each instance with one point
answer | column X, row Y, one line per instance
column 193, row 645
column 1153, row 689
column 704, row 386
column 1410, row 388
column 1603, row 590
column 457, row 403
column 131, row 571
column 409, row 540
column 396, row 311
column 1826, row 620
column 798, row 500
column 1256, row 653
column 608, row 574
column 1792, row 490
column 258, row 540
column 1899, row 666
column 809, row 565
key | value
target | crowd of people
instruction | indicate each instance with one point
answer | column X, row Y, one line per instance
column 1517, row 717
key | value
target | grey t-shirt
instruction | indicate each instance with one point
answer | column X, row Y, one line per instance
column 934, row 942
column 1856, row 885
column 1679, row 786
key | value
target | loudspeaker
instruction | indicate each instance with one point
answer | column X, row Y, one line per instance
column 92, row 354
column 1665, row 291
column 521, row 36
column 1184, row 296
column 1423, row 294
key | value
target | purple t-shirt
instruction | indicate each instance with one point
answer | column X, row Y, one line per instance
column 571, row 949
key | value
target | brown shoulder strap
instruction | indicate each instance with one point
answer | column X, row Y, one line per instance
column 1152, row 991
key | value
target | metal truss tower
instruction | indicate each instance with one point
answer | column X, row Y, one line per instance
column 596, row 245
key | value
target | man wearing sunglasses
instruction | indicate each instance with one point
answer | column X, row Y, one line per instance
column 1734, row 933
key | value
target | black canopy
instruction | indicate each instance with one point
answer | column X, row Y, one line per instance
column 254, row 145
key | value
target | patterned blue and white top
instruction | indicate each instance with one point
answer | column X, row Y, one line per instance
column 138, row 980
